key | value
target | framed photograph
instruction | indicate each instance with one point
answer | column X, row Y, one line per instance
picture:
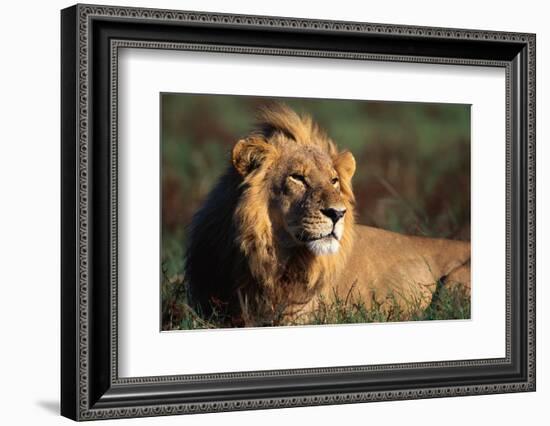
column 263, row 212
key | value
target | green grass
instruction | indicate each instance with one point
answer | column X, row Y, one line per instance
column 447, row 303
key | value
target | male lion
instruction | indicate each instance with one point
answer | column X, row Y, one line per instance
column 277, row 235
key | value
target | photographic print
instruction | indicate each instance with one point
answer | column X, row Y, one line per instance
column 292, row 211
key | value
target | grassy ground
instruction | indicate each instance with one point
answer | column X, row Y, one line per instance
column 447, row 303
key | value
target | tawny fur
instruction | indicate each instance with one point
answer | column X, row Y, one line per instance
column 244, row 264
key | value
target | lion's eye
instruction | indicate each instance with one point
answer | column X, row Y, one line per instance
column 298, row 177
column 335, row 180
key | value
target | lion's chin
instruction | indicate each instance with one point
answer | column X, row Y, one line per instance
column 323, row 246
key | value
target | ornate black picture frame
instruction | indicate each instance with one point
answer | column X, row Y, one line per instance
column 91, row 36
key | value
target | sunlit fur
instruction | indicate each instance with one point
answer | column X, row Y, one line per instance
column 324, row 246
column 243, row 255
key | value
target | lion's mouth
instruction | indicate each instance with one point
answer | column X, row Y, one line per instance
column 309, row 239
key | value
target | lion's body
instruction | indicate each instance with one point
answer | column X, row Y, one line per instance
column 385, row 268
column 277, row 233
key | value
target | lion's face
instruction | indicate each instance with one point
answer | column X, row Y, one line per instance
column 309, row 190
column 306, row 202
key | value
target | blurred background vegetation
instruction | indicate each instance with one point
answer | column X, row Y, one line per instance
column 413, row 169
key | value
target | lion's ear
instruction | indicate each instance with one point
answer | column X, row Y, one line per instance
column 345, row 165
column 250, row 153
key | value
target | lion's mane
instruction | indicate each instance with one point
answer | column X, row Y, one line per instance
column 235, row 266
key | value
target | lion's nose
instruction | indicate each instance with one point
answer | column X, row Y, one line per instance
column 334, row 214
